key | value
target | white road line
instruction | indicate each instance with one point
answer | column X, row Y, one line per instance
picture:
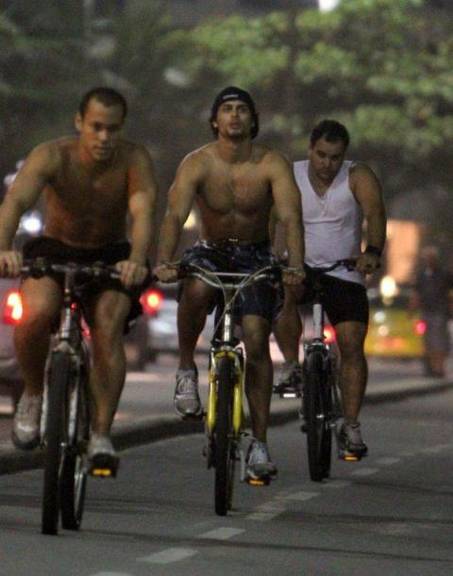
column 223, row 533
column 262, row 516
column 387, row 460
column 169, row 555
column 301, row 496
column 432, row 450
column 111, row 574
column 334, row 484
column 365, row 472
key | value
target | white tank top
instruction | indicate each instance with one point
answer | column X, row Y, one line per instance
column 333, row 223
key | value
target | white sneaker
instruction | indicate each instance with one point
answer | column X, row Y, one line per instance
column 187, row 399
column 25, row 433
column 259, row 463
column 102, row 456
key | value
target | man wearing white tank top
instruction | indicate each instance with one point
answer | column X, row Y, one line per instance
column 338, row 196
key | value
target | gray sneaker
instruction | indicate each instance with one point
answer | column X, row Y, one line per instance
column 350, row 443
column 186, row 399
column 25, row 433
column 259, row 463
column 102, row 457
column 289, row 381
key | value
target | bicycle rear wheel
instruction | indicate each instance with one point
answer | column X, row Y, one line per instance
column 57, row 386
column 73, row 477
column 224, row 442
column 317, row 409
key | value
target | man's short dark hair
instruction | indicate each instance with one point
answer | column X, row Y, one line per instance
column 107, row 96
column 330, row 130
column 234, row 93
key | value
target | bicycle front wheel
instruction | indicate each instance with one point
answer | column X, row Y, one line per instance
column 73, row 478
column 57, row 386
column 317, row 409
column 224, row 441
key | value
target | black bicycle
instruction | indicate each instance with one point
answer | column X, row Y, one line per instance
column 65, row 419
column 225, row 415
column 321, row 407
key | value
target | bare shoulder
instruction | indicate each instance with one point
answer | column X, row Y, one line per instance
column 198, row 161
column 48, row 156
column 135, row 152
column 272, row 160
column 361, row 173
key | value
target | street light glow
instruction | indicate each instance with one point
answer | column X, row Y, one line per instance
column 327, row 5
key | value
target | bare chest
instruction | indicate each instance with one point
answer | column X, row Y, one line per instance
column 236, row 190
column 80, row 192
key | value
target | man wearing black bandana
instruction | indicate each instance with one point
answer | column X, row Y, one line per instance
column 235, row 183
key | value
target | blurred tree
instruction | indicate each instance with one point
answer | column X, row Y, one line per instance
column 43, row 70
column 381, row 66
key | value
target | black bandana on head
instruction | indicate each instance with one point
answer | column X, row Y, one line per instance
column 235, row 93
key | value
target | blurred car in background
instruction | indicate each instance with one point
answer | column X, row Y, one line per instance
column 395, row 329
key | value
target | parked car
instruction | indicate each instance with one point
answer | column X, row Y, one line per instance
column 395, row 330
column 10, row 315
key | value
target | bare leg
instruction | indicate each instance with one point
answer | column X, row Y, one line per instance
column 192, row 311
column 288, row 328
column 41, row 301
column 109, row 362
column 354, row 368
column 259, row 373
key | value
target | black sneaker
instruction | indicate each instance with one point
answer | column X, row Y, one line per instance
column 289, row 383
column 350, row 443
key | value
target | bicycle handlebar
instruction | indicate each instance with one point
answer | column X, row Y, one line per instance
column 39, row 267
column 238, row 280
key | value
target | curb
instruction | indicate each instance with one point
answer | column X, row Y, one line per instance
column 148, row 430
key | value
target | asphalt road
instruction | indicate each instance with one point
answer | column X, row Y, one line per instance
column 390, row 514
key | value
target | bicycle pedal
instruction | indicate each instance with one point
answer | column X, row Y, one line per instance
column 348, row 457
column 258, row 482
column 104, row 466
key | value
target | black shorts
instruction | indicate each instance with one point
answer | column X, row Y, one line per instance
column 343, row 301
column 260, row 299
column 58, row 252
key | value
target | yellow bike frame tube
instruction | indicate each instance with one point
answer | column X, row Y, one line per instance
column 238, row 411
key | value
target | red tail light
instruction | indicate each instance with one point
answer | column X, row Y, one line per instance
column 329, row 334
column 151, row 301
column 12, row 312
column 420, row 327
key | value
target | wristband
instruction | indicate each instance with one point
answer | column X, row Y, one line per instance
column 373, row 250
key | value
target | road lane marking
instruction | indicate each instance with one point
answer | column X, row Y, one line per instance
column 169, row 555
column 337, row 484
column 364, row 471
column 223, row 533
column 111, row 574
column 301, row 496
column 387, row 460
column 432, row 450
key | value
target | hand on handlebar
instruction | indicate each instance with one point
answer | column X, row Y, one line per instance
column 367, row 263
column 10, row 263
column 166, row 272
column 293, row 276
column 132, row 273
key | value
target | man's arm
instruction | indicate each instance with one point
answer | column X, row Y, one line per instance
column 180, row 201
column 288, row 209
column 142, row 188
column 368, row 193
column 21, row 196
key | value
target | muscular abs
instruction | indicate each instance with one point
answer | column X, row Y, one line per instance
column 235, row 203
column 85, row 208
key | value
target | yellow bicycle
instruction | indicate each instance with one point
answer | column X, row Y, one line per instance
column 224, row 417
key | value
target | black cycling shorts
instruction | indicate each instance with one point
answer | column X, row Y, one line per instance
column 343, row 301
column 57, row 252
column 260, row 299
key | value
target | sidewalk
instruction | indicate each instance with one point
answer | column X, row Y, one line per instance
column 146, row 411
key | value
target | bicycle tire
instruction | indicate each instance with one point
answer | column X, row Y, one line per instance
column 224, row 443
column 58, row 382
column 317, row 408
column 73, row 479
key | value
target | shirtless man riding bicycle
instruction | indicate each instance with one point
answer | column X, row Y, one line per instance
column 92, row 183
column 234, row 183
